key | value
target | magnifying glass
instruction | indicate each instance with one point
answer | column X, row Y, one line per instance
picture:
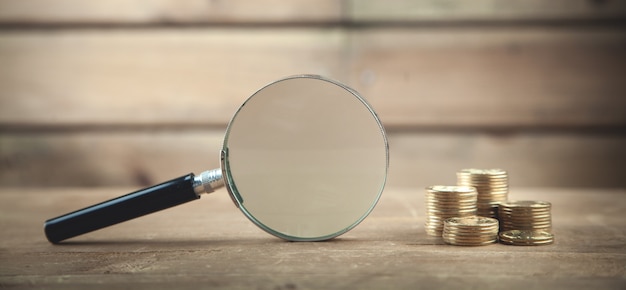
column 305, row 158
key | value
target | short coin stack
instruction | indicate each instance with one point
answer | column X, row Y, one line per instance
column 492, row 186
column 527, row 215
column 470, row 231
column 526, row 238
column 444, row 202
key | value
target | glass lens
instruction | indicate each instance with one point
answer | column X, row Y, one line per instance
column 305, row 158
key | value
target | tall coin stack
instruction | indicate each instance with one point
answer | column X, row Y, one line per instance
column 470, row 231
column 527, row 215
column 443, row 202
column 492, row 186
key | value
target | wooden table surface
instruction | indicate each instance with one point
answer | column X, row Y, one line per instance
column 210, row 244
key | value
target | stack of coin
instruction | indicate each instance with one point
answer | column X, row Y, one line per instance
column 526, row 238
column 470, row 231
column 444, row 202
column 492, row 186
column 528, row 215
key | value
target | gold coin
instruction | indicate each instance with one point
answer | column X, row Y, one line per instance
column 475, row 171
column 529, row 238
column 464, row 236
column 442, row 215
column 527, row 221
column 525, row 218
column 516, row 220
column 468, row 234
column 483, row 183
column 465, row 243
column 451, row 206
column 451, row 189
column 471, row 236
column 471, row 228
column 533, row 204
column 471, row 221
column 529, row 209
column 482, row 186
column 456, row 207
column 533, row 212
column 490, row 183
column 487, row 184
column 470, row 240
column 487, row 181
column 452, row 194
column 451, row 202
column 538, row 215
column 524, row 225
column 545, row 229
column 438, row 201
column 505, row 227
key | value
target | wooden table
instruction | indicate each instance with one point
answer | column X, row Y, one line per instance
column 210, row 244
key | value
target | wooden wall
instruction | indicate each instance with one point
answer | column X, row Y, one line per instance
column 101, row 93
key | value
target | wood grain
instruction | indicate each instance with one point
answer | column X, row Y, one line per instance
column 167, row 11
column 28, row 12
column 416, row 159
column 413, row 77
column 500, row 77
column 163, row 76
column 99, row 93
column 209, row 243
column 485, row 10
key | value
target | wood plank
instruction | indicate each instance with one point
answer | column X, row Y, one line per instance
column 209, row 243
column 501, row 77
column 29, row 12
column 100, row 159
column 484, row 10
column 446, row 77
column 416, row 159
column 166, row 11
column 157, row 76
column 531, row 159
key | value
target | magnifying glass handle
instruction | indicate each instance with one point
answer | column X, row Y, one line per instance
column 142, row 202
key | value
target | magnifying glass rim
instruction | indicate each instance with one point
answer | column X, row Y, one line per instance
column 234, row 193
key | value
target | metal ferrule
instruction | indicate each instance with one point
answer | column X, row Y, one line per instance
column 208, row 181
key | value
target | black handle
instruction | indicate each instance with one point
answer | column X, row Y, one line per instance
column 123, row 208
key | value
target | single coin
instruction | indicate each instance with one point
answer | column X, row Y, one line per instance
column 472, row 229
column 526, row 237
column 466, row 243
column 487, row 180
column 525, row 211
column 451, row 188
column 472, row 221
column 523, row 222
column 534, row 204
column 475, row 171
column 448, row 208
column 469, row 239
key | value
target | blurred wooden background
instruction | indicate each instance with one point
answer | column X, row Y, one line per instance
column 107, row 93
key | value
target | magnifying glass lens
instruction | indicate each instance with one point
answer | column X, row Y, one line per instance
column 305, row 158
